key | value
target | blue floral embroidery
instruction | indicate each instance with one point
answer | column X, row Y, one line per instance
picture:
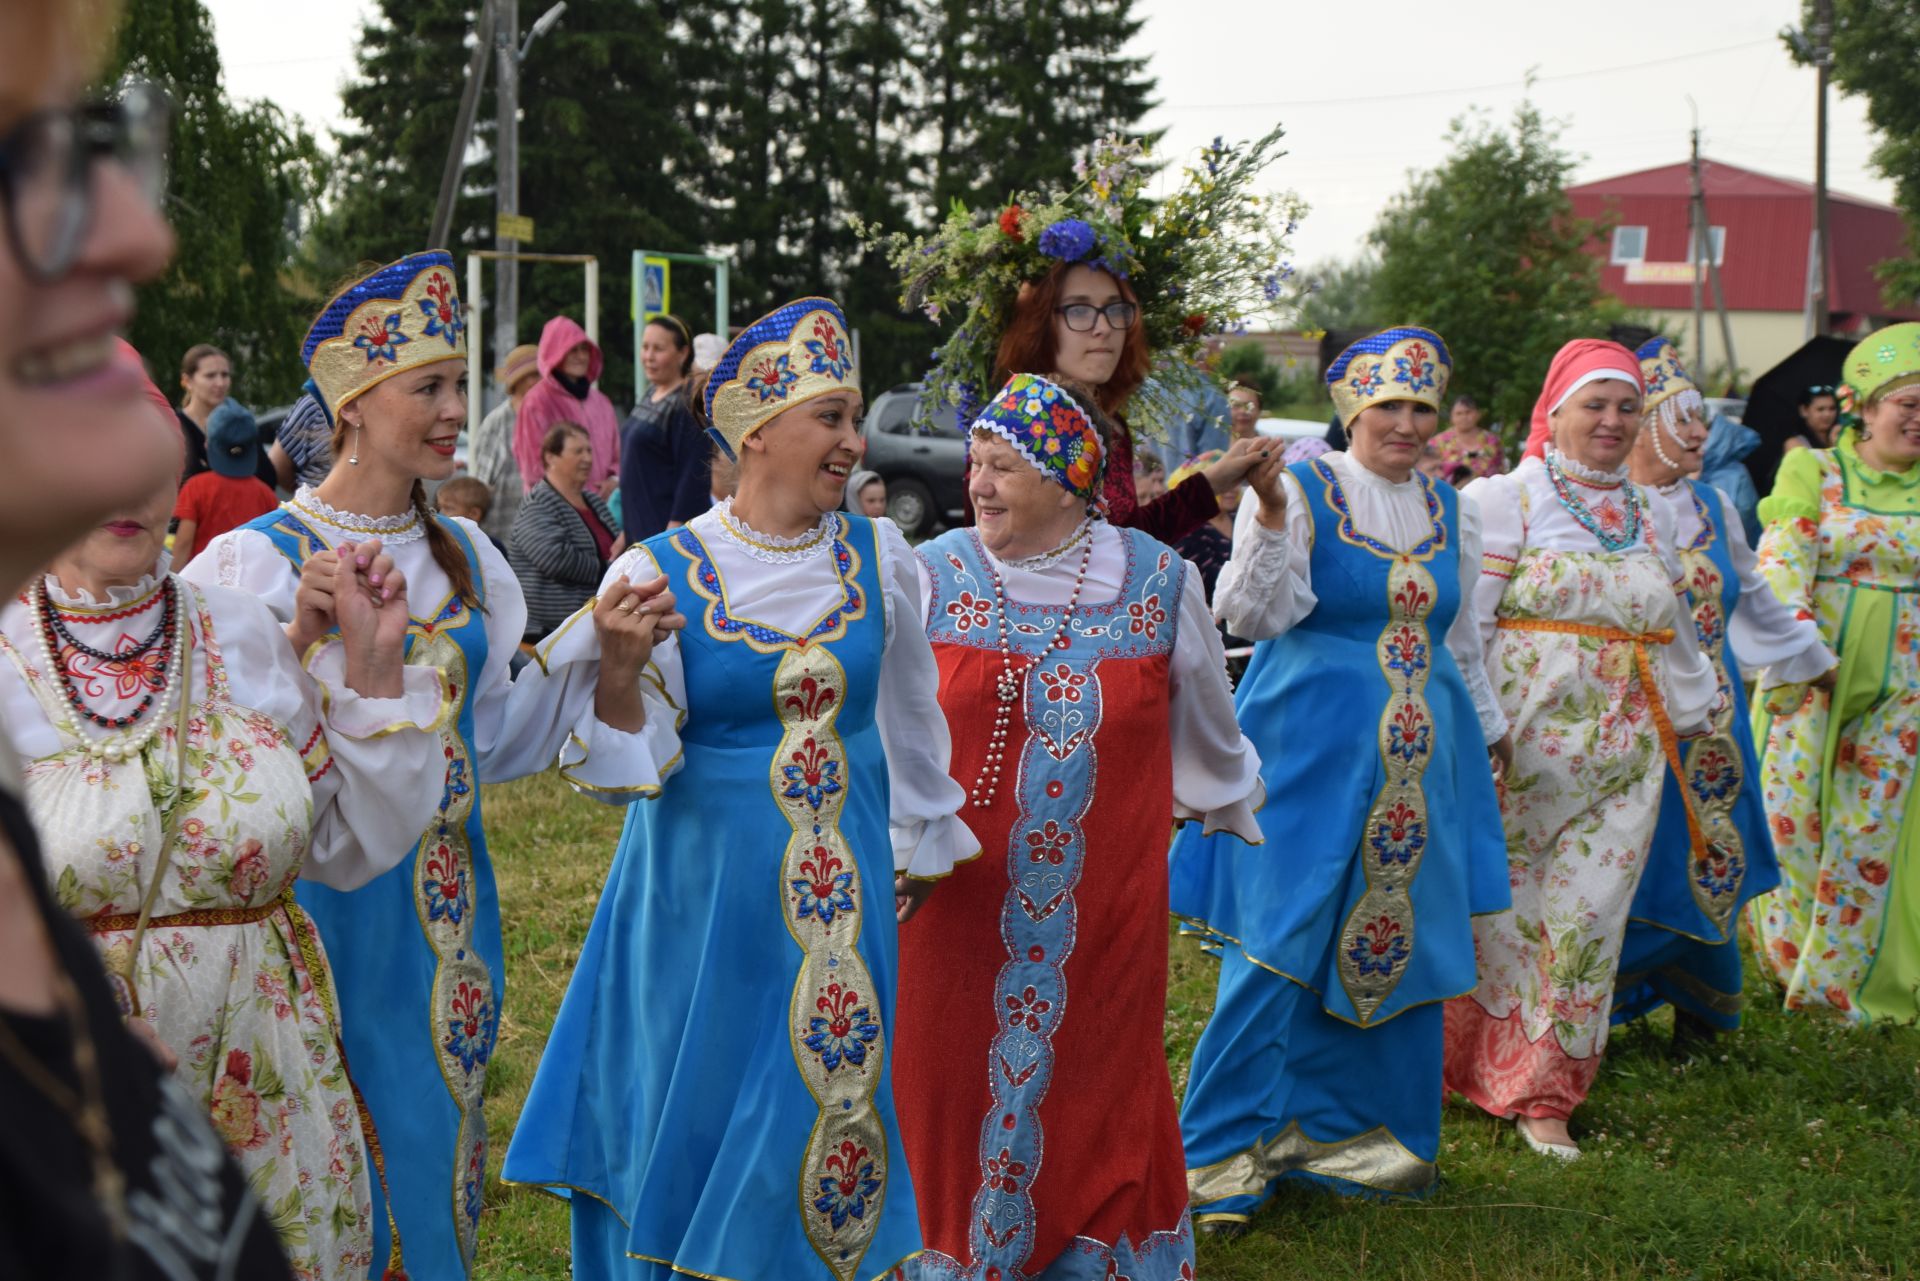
column 379, row 341
column 1365, row 382
column 845, row 1190
column 1414, row 371
column 1379, row 948
column 842, row 1030
column 470, row 1030
column 824, row 892
column 442, row 309
column 772, row 378
column 813, row 776
column 1400, row 836
column 1407, row 653
column 830, row 354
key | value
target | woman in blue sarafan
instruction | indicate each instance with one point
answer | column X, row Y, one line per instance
column 416, row 953
column 1681, row 947
column 1379, row 739
column 715, row 1097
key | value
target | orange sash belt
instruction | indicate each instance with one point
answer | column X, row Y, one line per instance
column 1643, row 668
column 199, row 917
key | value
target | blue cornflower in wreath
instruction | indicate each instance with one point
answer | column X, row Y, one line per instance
column 441, row 307
column 772, row 378
column 830, row 355
column 381, row 340
column 1380, row 947
column 848, row 1185
column 1069, row 240
column 843, row 1029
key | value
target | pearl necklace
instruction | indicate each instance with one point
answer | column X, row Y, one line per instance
column 1589, row 520
column 1011, row 684
column 391, row 530
column 127, row 745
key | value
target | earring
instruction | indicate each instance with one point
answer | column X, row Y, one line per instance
column 354, row 459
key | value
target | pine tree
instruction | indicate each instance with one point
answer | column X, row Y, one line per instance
column 241, row 180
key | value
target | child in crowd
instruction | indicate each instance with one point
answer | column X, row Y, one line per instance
column 1149, row 478
column 867, row 494
column 467, row 497
column 228, row 494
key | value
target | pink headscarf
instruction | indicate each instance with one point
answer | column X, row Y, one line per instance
column 1582, row 361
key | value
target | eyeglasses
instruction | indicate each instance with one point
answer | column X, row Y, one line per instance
column 1079, row 315
column 46, row 172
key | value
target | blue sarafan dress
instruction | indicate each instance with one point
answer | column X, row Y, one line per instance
column 1681, row 946
column 715, row 1097
column 1342, row 934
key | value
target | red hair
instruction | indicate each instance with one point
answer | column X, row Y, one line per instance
column 1027, row 347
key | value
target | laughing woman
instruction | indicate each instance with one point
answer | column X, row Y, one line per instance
column 417, row 952
column 1581, row 604
column 1842, row 547
column 715, row 1099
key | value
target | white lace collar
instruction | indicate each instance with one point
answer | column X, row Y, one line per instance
column 1574, row 469
column 117, row 597
column 393, row 531
column 1047, row 560
column 1358, row 473
column 771, row 549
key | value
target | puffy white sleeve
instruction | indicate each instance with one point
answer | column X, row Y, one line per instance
column 1266, row 586
column 1216, row 772
column 1693, row 687
column 929, row 838
column 1764, row 632
column 1500, row 502
column 1463, row 638
column 596, row 759
column 245, row 560
column 375, row 764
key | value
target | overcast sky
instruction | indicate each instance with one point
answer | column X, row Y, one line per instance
column 1365, row 91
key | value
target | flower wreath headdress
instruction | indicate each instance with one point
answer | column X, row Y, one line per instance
column 1204, row 261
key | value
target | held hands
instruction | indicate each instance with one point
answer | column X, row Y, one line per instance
column 1500, row 758
column 357, row 588
column 1241, row 458
column 630, row 619
column 909, row 895
column 1265, row 480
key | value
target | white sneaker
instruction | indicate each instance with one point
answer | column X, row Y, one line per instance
column 1558, row 1151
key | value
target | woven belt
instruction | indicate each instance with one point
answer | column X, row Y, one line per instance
column 198, row 918
column 1643, row 668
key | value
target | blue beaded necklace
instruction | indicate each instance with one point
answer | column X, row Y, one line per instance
column 1629, row 532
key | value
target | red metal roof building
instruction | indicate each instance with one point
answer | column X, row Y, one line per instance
column 1762, row 235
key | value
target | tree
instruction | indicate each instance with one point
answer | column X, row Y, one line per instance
column 1486, row 250
column 242, row 180
column 1340, row 296
column 1876, row 54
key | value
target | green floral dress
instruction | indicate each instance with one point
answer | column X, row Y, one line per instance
column 1842, row 546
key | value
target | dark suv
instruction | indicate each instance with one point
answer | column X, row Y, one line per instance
column 922, row 459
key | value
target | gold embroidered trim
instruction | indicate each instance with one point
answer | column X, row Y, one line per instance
column 1374, row 1159
column 834, row 1021
column 1714, row 774
column 1377, row 939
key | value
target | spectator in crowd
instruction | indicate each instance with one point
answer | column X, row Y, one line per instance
column 1149, row 478
column 564, row 536
column 1244, row 404
column 663, row 451
column 867, row 494
column 1466, row 442
column 570, row 365
column 1820, row 411
column 492, row 459
column 302, row 451
column 206, row 378
column 469, row 498
column 229, row 493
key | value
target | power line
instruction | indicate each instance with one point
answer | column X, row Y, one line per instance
column 1483, row 88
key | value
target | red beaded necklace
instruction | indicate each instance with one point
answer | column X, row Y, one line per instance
column 58, row 640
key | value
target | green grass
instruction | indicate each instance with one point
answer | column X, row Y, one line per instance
column 1791, row 1151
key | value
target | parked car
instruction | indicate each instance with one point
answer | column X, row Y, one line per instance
column 1734, row 408
column 1292, row 429
column 922, row 458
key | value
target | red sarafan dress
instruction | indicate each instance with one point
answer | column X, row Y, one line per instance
column 1029, row 1070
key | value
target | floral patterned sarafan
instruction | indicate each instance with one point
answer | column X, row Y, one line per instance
column 1843, row 548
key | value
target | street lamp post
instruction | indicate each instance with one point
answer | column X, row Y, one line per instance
column 509, row 56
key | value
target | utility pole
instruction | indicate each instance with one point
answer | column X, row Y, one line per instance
column 1696, row 207
column 1817, row 301
column 462, row 131
column 506, row 164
